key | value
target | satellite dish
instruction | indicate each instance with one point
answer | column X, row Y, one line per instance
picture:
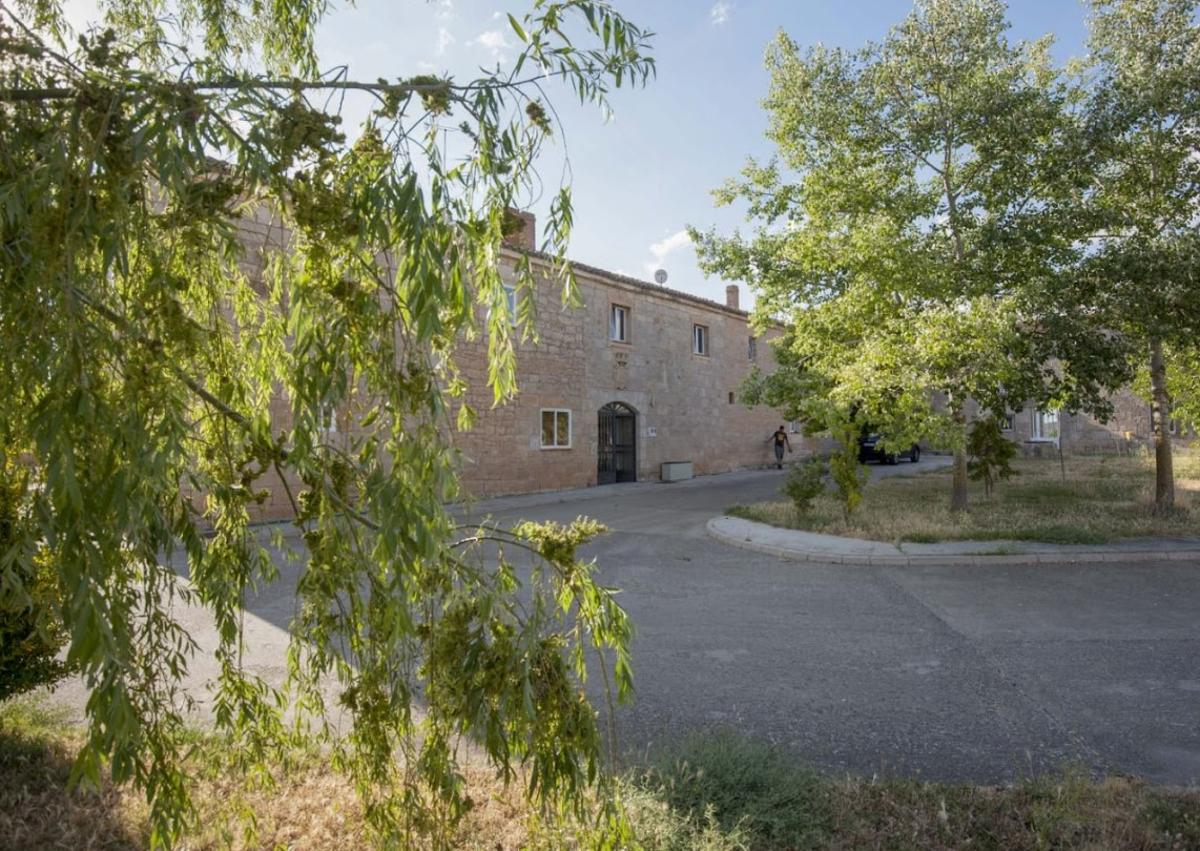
column 660, row 277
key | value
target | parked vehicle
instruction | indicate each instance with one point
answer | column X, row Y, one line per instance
column 870, row 449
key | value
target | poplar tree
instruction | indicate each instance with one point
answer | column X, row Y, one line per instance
column 907, row 223
column 138, row 360
column 1142, row 267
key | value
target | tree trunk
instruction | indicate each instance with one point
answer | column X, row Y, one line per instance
column 1160, row 411
column 958, row 494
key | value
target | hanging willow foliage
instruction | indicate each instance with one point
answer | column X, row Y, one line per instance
column 138, row 361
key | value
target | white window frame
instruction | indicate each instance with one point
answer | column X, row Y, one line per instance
column 794, row 427
column 618, row 323
column 700, row 341
column 1039, row 425
column 542, row 431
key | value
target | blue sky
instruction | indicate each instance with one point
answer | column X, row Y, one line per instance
column 642, row 177
column 645, row 175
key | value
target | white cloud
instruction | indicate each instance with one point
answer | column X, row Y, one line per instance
column 445, row 38
column 719, row 13
column 445, row 10
column 666, row 246
column 494, row 41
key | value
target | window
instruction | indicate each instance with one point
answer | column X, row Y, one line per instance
column 795, row 427
column 731, row 397
column 1172, row 425
column 1006, row 422
column 328, row 421
column 700, row 340
column 510, row 295
column 618, row 324
column 556, row 428
column 752, row 349
column 1045, row 425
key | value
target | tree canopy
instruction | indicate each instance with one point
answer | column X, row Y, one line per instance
column 907, row 225
column 138, row 360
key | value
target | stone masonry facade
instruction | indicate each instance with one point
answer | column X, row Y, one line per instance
column 684, row 402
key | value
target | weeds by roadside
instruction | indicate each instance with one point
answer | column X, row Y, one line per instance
column 1104, row 498
column 713, row 792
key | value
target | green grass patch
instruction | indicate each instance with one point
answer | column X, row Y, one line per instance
column 1102, row 499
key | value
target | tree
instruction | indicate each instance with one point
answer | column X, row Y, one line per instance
column 137, row 363
column 1143, row 119
column 907, row 226
column 990, row 453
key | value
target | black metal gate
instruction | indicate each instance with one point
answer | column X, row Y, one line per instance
column 617, row 460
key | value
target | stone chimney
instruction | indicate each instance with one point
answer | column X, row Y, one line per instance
column 731, row 296
column 520, row 229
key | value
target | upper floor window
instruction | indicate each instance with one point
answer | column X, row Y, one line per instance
column 700, row 340
column 556, row 428
column 752, row 349
column 1006, row 422
column 510, row 296
column 618, row 323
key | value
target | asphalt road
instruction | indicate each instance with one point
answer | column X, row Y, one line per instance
column 947, row 673
column 950, row 673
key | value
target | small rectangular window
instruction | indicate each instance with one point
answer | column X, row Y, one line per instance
column 1045, row 425
column 618, row 323
column 700, row 340
column 1006, row 422
column 556, row 428
column 795, row 427
column 752, row 349
column 510, row 296
column 328, row 422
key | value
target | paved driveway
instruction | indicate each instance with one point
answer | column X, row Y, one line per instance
column 970, row 673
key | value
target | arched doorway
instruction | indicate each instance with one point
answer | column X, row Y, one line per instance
column 617, row 444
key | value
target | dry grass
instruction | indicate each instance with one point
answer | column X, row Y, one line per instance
column 711, row 793
column 1103, row 498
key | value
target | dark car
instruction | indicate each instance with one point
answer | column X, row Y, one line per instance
column 869, row 449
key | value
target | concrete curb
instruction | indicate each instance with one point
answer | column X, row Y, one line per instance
column 829, row 549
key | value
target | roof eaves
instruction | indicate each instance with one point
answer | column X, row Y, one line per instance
column 657, row 289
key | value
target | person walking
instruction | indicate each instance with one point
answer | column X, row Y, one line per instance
column 781, row 441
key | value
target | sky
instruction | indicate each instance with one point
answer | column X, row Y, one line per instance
column 643, row 176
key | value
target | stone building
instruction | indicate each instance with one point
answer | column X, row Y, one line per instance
column 639, row 376
column 1129, row 427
